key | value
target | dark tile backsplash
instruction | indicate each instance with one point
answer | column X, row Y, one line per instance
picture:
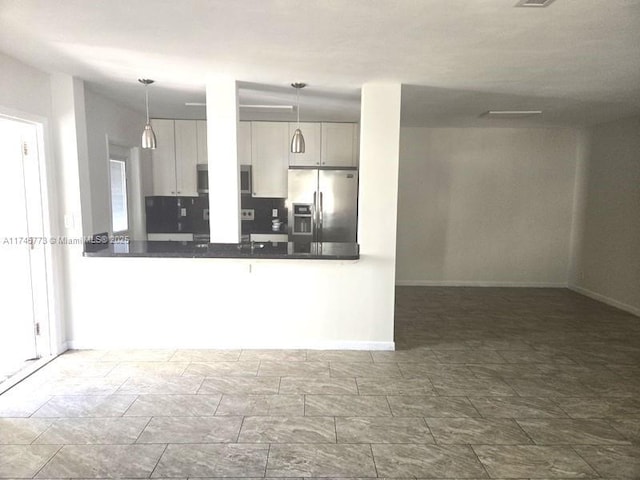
column 191, row 214
column 263, row 208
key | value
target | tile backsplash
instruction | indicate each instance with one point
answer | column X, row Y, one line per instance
column 263, row 208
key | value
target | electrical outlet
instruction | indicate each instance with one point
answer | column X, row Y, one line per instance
column 247, row 214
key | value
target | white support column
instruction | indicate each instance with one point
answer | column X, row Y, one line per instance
column 224, row 172
column 378, row 195
column 70, row 141
column 69, row 130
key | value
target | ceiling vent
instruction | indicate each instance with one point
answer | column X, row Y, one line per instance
column 510, row 114
column 534, row 3
column 247, row 106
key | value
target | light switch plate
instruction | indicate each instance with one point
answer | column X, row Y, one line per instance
column 69, row 220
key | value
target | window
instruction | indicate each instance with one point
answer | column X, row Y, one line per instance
column 119, row 212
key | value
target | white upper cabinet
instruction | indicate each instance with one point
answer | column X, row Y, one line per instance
column 164, row 158
column 311, row 156
column 182, row 145
column 201, row 131
column 186, row 157
column 244, row 143
column 175, row 158
column 269, row 159
column 339, row 145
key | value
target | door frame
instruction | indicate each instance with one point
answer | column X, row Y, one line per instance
column 52, row 341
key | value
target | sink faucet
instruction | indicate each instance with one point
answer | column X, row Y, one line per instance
column 255, row 245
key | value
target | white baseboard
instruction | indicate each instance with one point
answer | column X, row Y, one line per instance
column 604, row 299
column 476, row 283
column 322, row 345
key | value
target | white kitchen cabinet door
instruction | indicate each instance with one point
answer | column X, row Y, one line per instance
column 164, row 158
column 270, row 159
column 339, row 145
column 186, row 158
column 201, row 131
column 244, row 143
column 312, row 134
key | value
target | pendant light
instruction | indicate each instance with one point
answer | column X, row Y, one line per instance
column 148, row 136
column 297, row 142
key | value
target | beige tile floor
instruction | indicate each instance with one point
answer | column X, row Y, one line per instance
column 486, row 383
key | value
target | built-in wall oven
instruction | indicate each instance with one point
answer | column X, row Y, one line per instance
column 203, row 179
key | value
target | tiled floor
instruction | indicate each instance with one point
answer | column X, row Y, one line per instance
column 7, row 372
column 499, row 383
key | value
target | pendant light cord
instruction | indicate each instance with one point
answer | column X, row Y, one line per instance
column 146, row 97
column 298, row 102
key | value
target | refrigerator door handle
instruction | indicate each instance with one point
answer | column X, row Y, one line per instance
column 315, row 216
column 321, row 214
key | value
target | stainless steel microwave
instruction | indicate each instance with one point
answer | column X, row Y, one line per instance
column 203, row 179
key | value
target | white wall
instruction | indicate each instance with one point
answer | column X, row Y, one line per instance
column 25, row 93
column 485, row 206
column 123, row 127
column 165, row 302
column 583, row 151
column 607, row 253
column 71, row 163
column 24, row 88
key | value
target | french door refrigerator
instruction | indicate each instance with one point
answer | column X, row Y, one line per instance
column 322, row 205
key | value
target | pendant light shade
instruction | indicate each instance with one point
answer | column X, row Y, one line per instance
column 148, row 135
column 297, row 142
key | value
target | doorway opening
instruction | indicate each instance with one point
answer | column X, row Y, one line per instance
column 24, row 309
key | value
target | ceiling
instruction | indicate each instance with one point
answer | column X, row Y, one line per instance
column 578, row 60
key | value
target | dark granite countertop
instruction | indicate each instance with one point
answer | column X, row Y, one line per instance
column 279, row 250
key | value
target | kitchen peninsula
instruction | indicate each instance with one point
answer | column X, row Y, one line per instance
column 183, row 296
column 292, row 205
column 250, row 250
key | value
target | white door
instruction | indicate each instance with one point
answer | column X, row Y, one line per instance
column 269, row 159
column 21, row 248
column 339, row 144
column 186, row 158
column 201, row 130
column 164, row 158
column 244, row 143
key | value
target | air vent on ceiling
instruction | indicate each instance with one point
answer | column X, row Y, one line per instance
column 251, row 107
column 534, row 3
column 267, row 107
column 510, row 114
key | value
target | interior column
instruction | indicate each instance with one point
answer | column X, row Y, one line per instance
column 224, row 173
column 378, row 191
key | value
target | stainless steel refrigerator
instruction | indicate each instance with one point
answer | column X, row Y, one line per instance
column 322, row 205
